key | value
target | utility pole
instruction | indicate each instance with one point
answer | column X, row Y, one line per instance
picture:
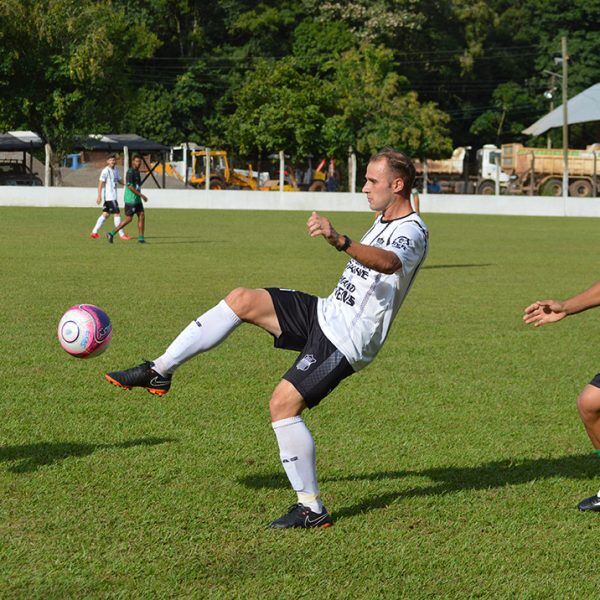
column 565, row 99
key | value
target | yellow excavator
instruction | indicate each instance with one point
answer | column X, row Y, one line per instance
column 222, row 176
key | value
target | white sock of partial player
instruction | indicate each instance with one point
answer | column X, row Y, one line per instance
column 117, row 220
column 206, row 332
column 297, row 453
column 99, row 223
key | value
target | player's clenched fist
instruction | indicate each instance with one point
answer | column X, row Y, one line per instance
column 318, row 225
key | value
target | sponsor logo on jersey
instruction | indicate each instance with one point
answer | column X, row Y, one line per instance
column 306, row 362
column 401, row 242
column 357, row 269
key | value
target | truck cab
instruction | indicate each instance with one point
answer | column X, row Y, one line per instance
column 489, row 170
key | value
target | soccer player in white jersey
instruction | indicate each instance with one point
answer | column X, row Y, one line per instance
column 107, row 193
column 335, row 336
column 543, row 312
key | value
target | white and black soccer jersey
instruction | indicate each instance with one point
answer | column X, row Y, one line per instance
column 357, row 316
column 110, row 177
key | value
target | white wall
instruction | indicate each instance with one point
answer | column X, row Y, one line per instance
column 307, row 201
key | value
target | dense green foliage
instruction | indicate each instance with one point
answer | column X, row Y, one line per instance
column 453, row 464
column 305, row 76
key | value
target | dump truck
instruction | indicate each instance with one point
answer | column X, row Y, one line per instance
column 539, row 171
column 460, row 174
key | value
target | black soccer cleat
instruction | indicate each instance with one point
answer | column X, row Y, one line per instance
column 301, row 516
column 592, row 503
column 141, row 376
column 110, row 237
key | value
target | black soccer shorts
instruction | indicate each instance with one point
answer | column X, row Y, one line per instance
column 596, row 381
column 134, row 209
column 320, row 366
column 110, row 207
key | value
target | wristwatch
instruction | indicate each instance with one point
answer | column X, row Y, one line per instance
column 345, row 245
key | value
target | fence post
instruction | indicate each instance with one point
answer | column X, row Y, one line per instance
column 185, row 164
column 48, row 150
column 207, row 169
column 281, row 169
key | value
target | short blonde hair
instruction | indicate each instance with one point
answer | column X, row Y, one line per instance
column 400, row 164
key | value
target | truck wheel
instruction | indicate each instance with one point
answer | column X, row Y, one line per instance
column 217, row 184
column 486, row 188
column 581, row 188
column 317, row 186
column 552, row 187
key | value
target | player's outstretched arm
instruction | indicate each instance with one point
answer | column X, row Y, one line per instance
column 550, row 311
column 100, row 186
column 372, row 258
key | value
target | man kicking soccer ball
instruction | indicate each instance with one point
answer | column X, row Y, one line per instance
column 588, row 403
column 335, row 336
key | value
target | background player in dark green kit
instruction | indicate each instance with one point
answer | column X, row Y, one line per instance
column 133, row 201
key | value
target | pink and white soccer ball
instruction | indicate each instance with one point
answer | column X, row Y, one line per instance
column 84, row 331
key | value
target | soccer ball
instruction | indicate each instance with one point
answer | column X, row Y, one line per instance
column 84, row 331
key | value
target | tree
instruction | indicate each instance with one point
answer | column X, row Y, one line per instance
column 278, row 107
column 374, row 110
column 64, row 72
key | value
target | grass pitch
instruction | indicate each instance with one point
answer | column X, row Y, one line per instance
column 452, row 465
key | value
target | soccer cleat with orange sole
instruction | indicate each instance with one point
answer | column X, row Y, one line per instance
column 143, row 376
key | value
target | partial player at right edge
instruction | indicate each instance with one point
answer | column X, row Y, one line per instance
column 543, row 312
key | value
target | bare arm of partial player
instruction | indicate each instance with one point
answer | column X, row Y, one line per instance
column 378, row 259
column 101, row 184
column 550, row 311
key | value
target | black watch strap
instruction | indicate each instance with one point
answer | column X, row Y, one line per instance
column 345, row 245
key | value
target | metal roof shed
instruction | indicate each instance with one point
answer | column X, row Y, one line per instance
column 583, row 108
column 124, row 142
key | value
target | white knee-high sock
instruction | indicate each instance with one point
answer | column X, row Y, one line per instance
column 206, row 332
column 99, row 223
column 297, row 452
column 117, row 220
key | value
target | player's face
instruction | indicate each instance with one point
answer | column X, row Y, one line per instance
column 136, row 163
column 111, row 162
column 381, row 186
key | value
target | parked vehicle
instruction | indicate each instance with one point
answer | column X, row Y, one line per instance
column 539, row 171
column 15, row 172
column 461, row 175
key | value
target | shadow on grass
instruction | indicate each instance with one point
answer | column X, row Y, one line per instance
column 465, row 266
column 449, row 480
column 30, row 457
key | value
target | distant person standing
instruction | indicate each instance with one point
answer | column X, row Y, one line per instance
column 434, row 187
column 133, row 201
column 107, row 193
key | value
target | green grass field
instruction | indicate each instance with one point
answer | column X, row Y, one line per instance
column 452, row 465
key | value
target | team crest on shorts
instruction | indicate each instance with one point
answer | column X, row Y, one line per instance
column 305, row 362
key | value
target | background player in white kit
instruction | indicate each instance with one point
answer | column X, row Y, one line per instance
column 335, row 336
column 107, row 193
